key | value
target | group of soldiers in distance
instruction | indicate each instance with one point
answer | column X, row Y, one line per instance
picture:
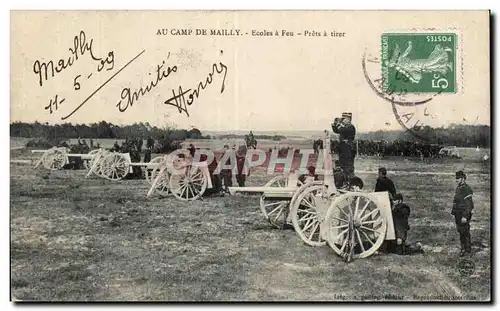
column 396, row 148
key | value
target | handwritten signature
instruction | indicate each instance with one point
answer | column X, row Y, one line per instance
column 130, row 98
column 79, row 49
column 180, row 98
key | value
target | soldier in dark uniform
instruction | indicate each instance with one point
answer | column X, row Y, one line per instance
column 400, row 215
column 385, row 184
column 116, row 147
column 150, row 143
column 338, row 175
column 347, row 133
column 216, row 181
column 462, row 210
column 240, row 165
column 192, row 150
column 226, row 173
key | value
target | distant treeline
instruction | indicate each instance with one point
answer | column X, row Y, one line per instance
column 102, row 129
column 269, row 137
column 454, row 135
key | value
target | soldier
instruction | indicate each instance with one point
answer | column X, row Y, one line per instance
column 240, row 165
column 138, row 144
column 315, row 147
column 147, row 155
column 150, row 143
column 116, row 147
column 385, row 184
column 253, row 142
column 216, row 182
column 192, row 150
column 338, row 175
column 347, row 133
column 225, row 173
column 400, row 215
column 462, row 210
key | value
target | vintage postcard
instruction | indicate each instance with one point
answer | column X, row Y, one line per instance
column 250, row 156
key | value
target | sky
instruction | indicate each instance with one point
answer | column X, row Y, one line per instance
column 257, row 82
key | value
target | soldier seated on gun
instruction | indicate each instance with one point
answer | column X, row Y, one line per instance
column 354, row 183
column 310, row 176
column 338, row 175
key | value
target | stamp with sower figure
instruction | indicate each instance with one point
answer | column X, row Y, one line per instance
column 418, row 63
column 410, row 69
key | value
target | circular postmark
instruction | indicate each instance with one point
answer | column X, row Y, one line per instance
column 466, row 267
column 411, row 111
column 409, row 70
column 387, row 90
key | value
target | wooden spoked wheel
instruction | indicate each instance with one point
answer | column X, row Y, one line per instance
column 86, row 162
column 55, row 159
column 114, row 166
column 96, row 163
column 189, row 184
column 276, row 211
column 155, row 167
column 161, row 181
column 302, row 188
column 307, row 213
column 354, row 225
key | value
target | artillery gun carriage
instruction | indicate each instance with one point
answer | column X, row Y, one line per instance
column 353, row 223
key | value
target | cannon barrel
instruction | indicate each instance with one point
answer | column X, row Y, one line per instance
column 267, row 191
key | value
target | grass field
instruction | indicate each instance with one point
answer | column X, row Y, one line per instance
column 91, row 239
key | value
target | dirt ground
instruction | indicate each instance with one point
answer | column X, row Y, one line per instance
column 74, row 238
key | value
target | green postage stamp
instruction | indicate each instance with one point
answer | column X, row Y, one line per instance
column 419, row 62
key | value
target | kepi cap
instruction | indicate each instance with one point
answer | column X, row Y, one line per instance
column 347, row 115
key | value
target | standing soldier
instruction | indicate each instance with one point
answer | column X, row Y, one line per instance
column 226, row 174
column 150, row 143
column 400, row 215
column 462, row 210
column 384, row 183
column 192, row 150
column 347, row 133
column 240, row 165
column 253, row 142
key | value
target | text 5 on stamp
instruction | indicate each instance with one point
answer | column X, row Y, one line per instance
column 426, row 62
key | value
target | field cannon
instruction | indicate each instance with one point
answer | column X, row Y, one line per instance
column 186, row 179
column 353, row 223
column 104, row 163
